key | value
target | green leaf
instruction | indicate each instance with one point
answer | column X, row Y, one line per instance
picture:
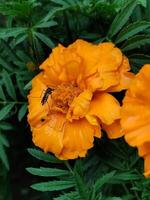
column 20, row 85
column 6, row 126
column 131, row 30
column 104, row 179
column 11, row 32
column 121, row 18
column 68, row 196
column 81, row 186
column 6, row 110
column 3, row 140
column 5, row 65
column 47, row 41
column 125, row 176
column 139, row 59
column 9, row 85
column 45, row 24
column 22, row 112
column 28, row 86
column 53, row 186
column 3, row 156
column 2, row 95
column 43, row 156
column 143, row 2
column 47, row 172
column 136, row 42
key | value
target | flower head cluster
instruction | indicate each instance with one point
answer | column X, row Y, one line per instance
column 135, row 118
column 69, row 102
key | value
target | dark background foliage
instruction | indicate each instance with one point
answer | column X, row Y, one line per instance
column 29, row 29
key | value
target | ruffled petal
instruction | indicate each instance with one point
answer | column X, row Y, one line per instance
column 125, row 77
column 80, row 105
column 113, row 130
column 108, row 65
column 49, row 137
column 63, row 65
column 144, row 149
column 105, row 107
column 90, row 54
column 135, row 113
column 78, row 138
column 37, row 112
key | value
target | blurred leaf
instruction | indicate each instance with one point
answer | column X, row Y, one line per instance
column 9, row 85
column 45, row 24
column 47, row 41
column 11, row 32
column 22, row 112
column 6, row 110
column 3, row 156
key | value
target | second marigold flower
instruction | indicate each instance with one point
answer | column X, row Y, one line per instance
column 74, row 103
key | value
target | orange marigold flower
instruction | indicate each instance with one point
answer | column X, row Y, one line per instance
column 135, row 119
column 74, row 102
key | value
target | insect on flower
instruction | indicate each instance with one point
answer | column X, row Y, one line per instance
column 45, row 96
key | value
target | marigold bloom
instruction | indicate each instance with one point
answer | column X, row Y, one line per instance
column 80, row 76
column 135, row 118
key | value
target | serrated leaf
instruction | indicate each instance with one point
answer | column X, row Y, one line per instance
column 47, row 41
column 9, row 85
column 47, row 172
column 136, row 42
column 43, row 156
column 22, row 111
column 5, row 110
column 121, row 18
column 104, row 179
column 131, row 30
column 53, row 186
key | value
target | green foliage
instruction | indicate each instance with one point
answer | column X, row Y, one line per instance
column 29, row 29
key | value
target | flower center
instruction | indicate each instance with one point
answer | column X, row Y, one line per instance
column 63, row 96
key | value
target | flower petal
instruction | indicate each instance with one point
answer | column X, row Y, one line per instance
column 113, row 130
column 49, row 137
column 135, row 113
column 144, row 149
column 80, row 105
column 105, row 107
column 147, row 166
column 63, row 65
column 37, row 112
column 125, row 77
column 78, row 138
column 89, row 53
